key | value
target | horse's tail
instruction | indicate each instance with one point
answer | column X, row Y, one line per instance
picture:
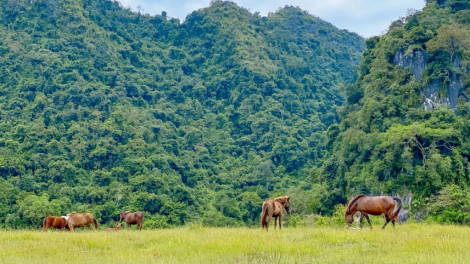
column 397, row 211
column 353, row 200
column 95, row 222
column 264, row 211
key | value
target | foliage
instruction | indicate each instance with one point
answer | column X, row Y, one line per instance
column 387, row 142
column 104, row 109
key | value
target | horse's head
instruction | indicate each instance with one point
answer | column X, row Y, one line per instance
column 349, row 219
column 287, row 204
column 285, row 201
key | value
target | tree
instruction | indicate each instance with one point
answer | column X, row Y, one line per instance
column 35, row 208
column 453, row 38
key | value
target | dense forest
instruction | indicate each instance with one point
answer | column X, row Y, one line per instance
column 405, row 126
column 198, row 121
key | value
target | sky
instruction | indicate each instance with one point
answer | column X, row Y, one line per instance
column 366, row 17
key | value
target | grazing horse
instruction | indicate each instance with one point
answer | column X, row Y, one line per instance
column 81, row 219
column 111, row 229
column 373, row 205
column 132, row 218
column 58, row 222
column 274, row 208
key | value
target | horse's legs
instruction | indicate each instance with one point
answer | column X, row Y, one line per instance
column 280, row 221
column 386, row 222
column 368, row 220
column 268, row 221
column 275, row 222
column 360, row 220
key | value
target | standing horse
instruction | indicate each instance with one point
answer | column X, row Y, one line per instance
column 81, row 219
column 274, row 208
column 132, row 218
column 373, row 205
column 58, row 222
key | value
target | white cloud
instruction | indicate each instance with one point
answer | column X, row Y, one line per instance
column 366, row 17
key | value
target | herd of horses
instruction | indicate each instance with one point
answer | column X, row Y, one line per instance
column 365, row 205
column 74, row 219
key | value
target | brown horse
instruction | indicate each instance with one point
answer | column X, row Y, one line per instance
column 81, row 219
column 274, row 208
column 117, row 228
column 373, row 205
column 132, row 218
column 58, row 222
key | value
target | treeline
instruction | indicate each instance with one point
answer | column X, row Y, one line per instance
column 405, row 126
column 103, row 109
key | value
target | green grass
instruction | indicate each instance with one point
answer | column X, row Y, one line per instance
column 411, row 243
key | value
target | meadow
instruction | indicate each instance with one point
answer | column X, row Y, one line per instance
column 409, row 243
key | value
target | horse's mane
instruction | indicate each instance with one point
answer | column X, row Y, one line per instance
column 281, row 199
column 353, row 200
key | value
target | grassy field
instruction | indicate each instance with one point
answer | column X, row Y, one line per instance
column 410, row 243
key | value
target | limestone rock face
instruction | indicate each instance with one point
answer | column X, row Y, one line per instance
column 433, row 94
column 417, row 61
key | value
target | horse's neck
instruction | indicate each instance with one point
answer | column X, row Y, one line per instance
column 279, row 205
column 353, row 208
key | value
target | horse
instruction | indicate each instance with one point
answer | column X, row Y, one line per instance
column 373, row 205
column 274, row 208
column 81, row 219
column 132, row 218
column 111, row 229
column 57, row 222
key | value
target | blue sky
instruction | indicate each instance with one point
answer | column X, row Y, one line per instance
column 365, row 17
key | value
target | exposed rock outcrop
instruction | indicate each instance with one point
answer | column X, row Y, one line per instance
column 416, row 61
column 433, row 95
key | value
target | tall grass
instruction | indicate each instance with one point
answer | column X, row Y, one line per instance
column 411, row 243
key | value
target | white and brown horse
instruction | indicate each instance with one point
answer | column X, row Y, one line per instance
column 81, row 219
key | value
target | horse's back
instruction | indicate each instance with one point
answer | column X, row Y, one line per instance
column 80, row 219
column 135, row 218
column 139, row 215
column 375, row 205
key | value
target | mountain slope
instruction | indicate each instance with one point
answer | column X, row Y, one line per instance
column 103, row 109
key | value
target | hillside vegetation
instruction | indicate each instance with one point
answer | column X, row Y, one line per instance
column 405, row 126
column 103, row 109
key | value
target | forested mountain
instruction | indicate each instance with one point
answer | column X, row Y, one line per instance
column 103, row 109
column 405, row 127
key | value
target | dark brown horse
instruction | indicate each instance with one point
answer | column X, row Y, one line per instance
column 132, row 218
column 274, row 209
column 58, row 222
column 81, row 219
column 373, row 205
